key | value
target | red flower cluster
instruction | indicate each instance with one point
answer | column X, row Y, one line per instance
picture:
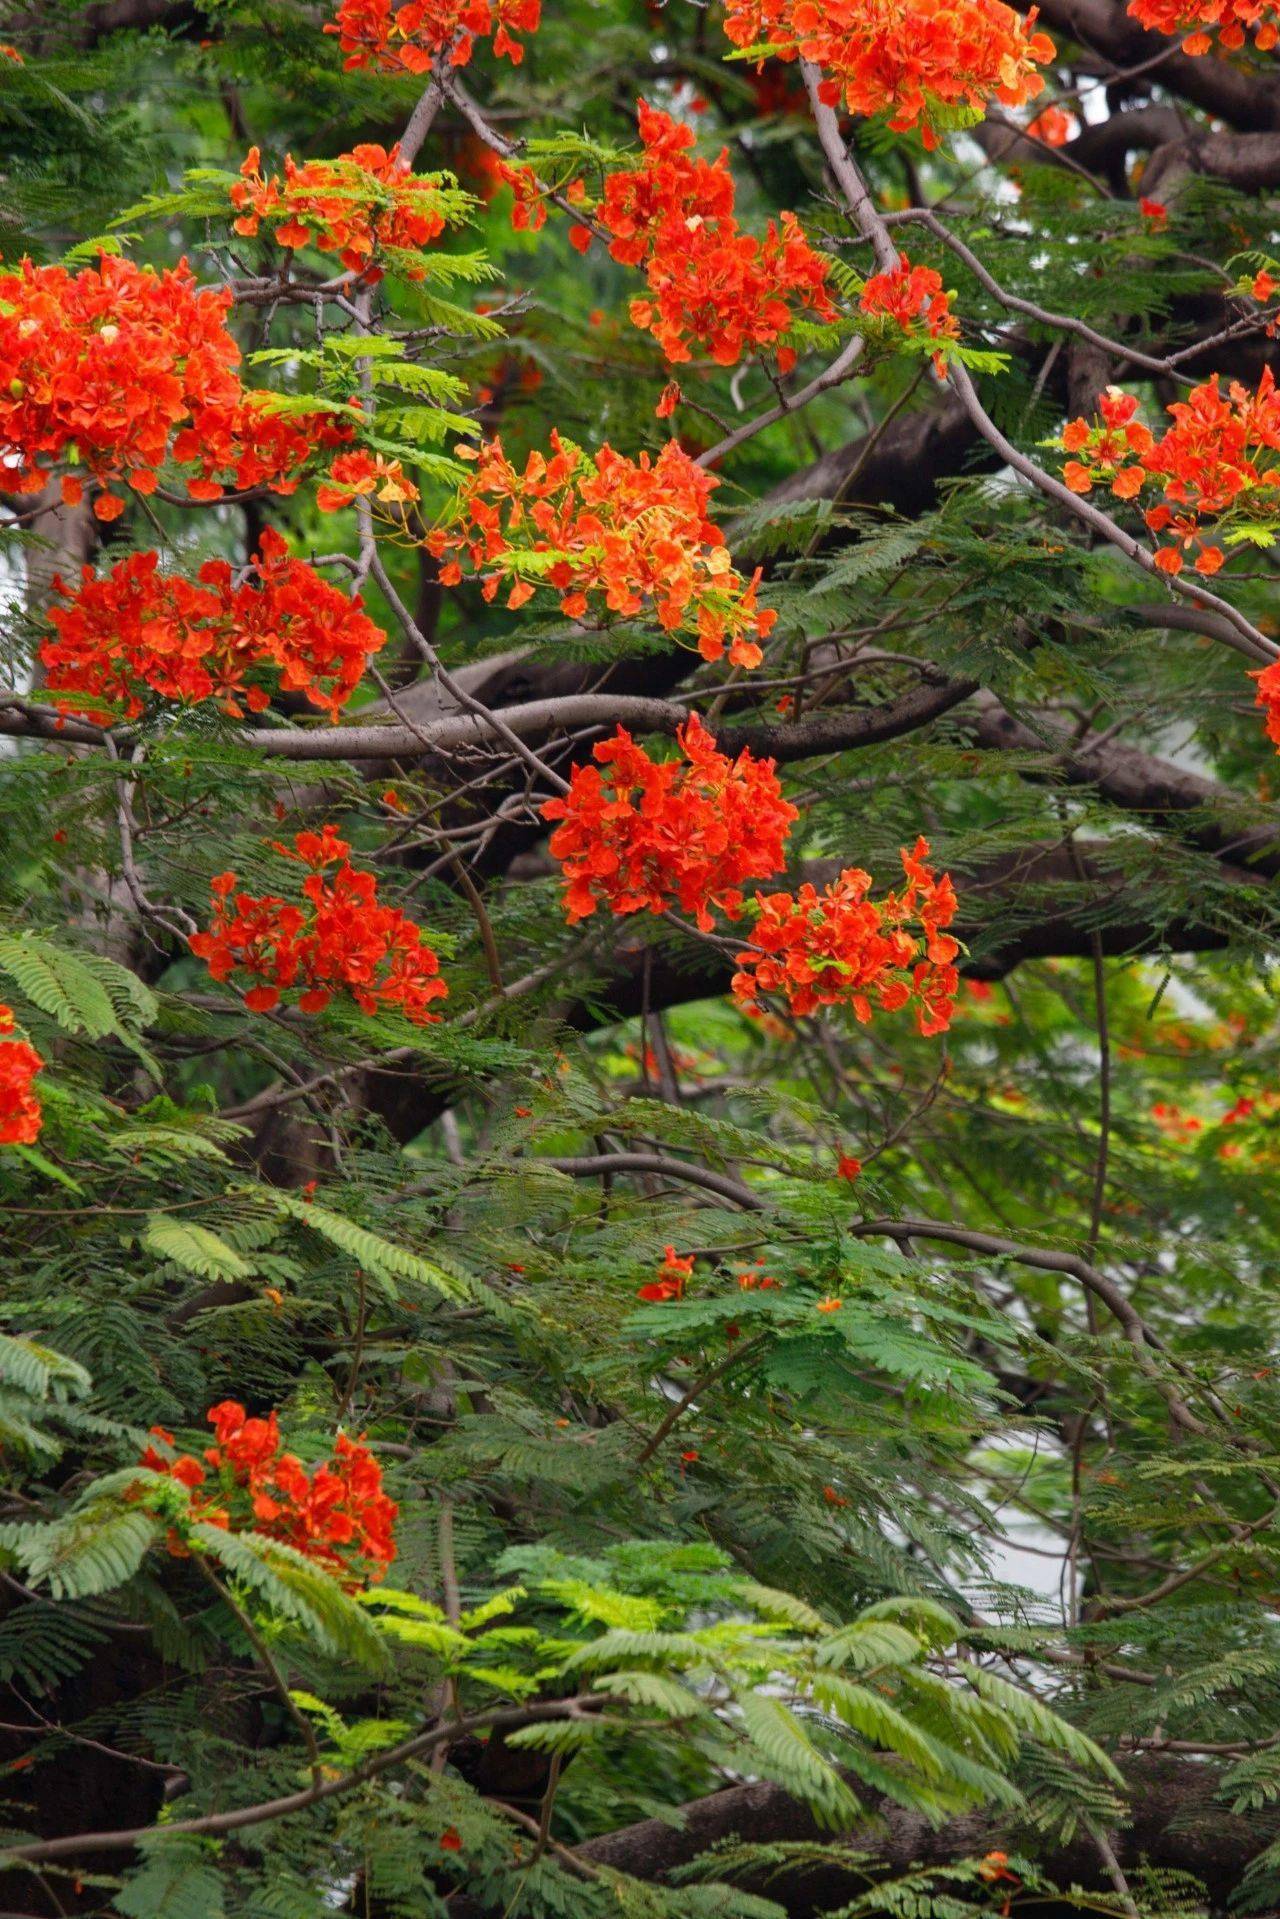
column 673, row 1275
column 902, row 57
column 1201, row 20
column 1114, row 451
column 20, row 1116
column 412, row 37
column 1211, row 459
column 909, row 294
column 337, row 1514
column 837, row 947
column 712, row 285
column 197, row 640
column 1054, row 127
column 1269, row 698
column 529, row 210
column 360, row 475
column 119, row 367
column 339, row 939
column 635, row 531
column 653, row 834
column 359, row 205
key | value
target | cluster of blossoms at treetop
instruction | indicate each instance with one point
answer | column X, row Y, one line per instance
column 910, row 294
column 337, row 1514
column 1203, row 21
column 339, row 939
column 906, row 58
column 1211, row 460
column 116, row 369
column 363, row 204
column 635, row 532
column 646, row 835
column 20, row 1114
column 138, row 629
column 711, row 285
column 412, row 38
column 839, row 948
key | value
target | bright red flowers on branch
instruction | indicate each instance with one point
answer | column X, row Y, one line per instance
column 839, row 948
column 338, row 939
column 117, row 368
column 917, row 60
column 1211, row 461
column 20, row 1114
column 359, row 206
column 337, row 1514
column 1113, row 452
column 1230, row 21
column 648, row 835
column 1269, row 698
column 673, row 1277
column 711, row 285
column 633, row 532
column 138, row 629
column 361, row 475
column 1053, row 127
column 911, row 295
column 413, row 37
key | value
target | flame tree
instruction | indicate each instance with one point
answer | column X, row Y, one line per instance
column 637, row 1032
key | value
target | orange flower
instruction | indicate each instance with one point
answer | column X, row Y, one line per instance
column 710, row 285
column 337, row 1514
column 673, row 1275
column 366, row 476
column 839, row 948
column 137, row 629
column 121, row 368
column 357, row 206
column 1054, row 127
column 20, row 1112
column 909, row 294
column 1269, row 697
column 1200, row 20
column 635, row 533
column 1217, row 455
column 340, row 938
column 829, row 1305
column 647, row 835
column 906, row 58
column 413, row 37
